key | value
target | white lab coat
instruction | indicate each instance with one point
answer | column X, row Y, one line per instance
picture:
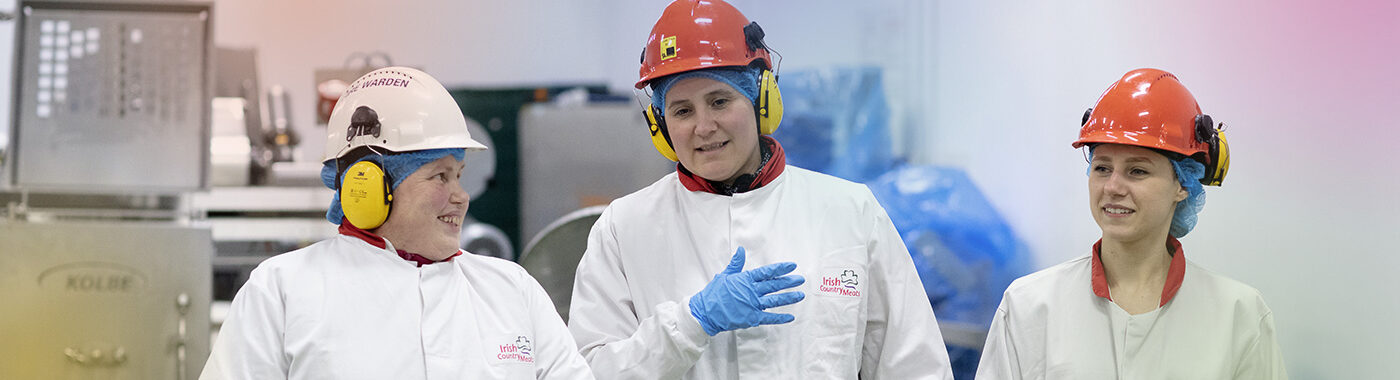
column 345, row 309
column 1051, row 325
column 652, row 250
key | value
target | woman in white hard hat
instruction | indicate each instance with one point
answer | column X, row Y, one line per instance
column 393, row 297
column 662, row 291
column 1134, row 307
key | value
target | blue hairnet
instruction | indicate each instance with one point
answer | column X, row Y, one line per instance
column 1188, row 173
column 397, row 166
column 744, row 79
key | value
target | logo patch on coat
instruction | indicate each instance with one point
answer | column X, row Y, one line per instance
column 840, row 282
column 518, row 351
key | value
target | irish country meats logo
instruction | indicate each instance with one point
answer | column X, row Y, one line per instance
column 843, row 284
column 849, row 279
column 518, row 351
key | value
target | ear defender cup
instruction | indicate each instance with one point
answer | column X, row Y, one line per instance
column 1219, row 152
column 769, row 109
column 364, row 195
column 659, row 137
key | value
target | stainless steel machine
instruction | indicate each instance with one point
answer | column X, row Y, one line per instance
column 111, row 97
column 579, row 155
column 88, row 300
column 104, row 267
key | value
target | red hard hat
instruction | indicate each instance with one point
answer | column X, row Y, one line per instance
column 698, row 34
column 1148, row 108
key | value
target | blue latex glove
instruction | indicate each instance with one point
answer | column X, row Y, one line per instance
column 735, row 300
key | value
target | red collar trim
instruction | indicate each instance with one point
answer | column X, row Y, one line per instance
column 350, row 230
column 770, row 170
column 421, row 261
column 694, row 182
column 1176, row 272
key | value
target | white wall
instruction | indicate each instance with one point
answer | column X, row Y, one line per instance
column 998, row 87
column 1310, row 209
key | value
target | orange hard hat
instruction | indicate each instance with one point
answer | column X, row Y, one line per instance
column 698, row 34
column 1148, row 108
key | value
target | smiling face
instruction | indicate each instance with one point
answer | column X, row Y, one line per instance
column 428, row 209
column 1133, row 192
column 712, row 128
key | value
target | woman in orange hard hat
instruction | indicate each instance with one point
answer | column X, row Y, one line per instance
column 737, row 265
column 1134, row 307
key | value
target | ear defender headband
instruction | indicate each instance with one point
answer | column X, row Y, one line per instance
column 365, row 193
column 768, row 108
column 1217, row 156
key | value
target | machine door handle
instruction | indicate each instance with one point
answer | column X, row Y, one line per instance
column 182, row 306
column 96, row 356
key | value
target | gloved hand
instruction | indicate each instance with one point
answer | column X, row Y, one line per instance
column 735, row 300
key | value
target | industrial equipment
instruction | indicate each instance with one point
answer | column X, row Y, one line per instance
column 101, row 80
column 89, row 300
column 575, row 156
column 104, row 271
column 552, row 256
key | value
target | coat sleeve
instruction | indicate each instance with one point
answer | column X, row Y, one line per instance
column 603, row 319
column 555, row 351
column 999, row 354
column 902, row 339
column 249, row 345
column 1263, row 359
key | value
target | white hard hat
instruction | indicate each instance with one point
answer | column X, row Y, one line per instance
column 399, row 109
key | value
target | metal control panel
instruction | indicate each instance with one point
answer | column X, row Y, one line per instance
column 101, row 300
column 111, row 97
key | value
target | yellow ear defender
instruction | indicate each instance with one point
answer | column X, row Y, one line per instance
column 365, row 196
column 1217, row 151
column 770, row 103
column 659, row 137
column 768, row 109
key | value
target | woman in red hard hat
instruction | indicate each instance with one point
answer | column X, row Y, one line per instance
column 1135, row 307
column 737, row 265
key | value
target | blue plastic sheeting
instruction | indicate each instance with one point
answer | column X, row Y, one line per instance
column 836, row 121
column 964, row 251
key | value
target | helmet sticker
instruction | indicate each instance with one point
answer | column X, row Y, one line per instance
column 668, row 47
column 364, row 122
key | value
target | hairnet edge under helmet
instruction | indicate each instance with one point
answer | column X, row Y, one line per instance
column 742, row 78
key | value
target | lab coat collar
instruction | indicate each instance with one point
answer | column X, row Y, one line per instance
column 1176, row 271
column 350, row 230
column 770, row 171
